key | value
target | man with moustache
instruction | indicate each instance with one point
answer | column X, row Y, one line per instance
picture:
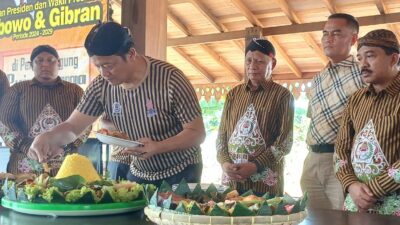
column 330, row 91
column 367, row 148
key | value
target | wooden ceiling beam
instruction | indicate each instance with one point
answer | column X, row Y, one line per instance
column 219, row 27
column 285, row 7
column 381, row 7
column 175, row 2
column 288, row 11
column 178, row 24
column 246, row 13
column 331, row 6
column 317, row 49
column 286, row 57
column 394, row 30
column 384, row 10
column 195, row 65
column 240, row 45
column 187, row 32
column 254, row 20
column 221, row 62
column 280, row 30
column 206, row 13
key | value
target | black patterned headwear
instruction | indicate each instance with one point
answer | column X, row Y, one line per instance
column 262, row 45
column 43, row 48
column 108, row 38
column 380, row 38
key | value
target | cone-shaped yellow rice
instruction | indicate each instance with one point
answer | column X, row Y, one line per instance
column 76, row 164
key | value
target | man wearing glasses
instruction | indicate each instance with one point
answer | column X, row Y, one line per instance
column 148, row 99
column 35, row 106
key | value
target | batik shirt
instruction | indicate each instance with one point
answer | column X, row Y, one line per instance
column 4, row 85
column 383, row 109
column 274, row 106
column 29, row 108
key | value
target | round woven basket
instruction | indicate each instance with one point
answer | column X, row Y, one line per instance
column 169, row 217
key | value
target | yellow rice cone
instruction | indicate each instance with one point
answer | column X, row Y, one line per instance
column 76, row 164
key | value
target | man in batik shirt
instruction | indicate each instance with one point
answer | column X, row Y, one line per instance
column 35, row 106
column 256, row 126
column 368, row 144
column 4, row 85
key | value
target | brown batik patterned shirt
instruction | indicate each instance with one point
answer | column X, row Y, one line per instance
column 30, row 108
column 383, row 109
column 274, row 106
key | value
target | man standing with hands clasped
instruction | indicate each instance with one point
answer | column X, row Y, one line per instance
column 368, row 144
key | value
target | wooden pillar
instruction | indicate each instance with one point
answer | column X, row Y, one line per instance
column 252, row 32
column 147, row 20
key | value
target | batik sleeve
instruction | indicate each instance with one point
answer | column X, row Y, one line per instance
column 284, row 141
column 222, row 139
column 11, row 123
column 342, row 157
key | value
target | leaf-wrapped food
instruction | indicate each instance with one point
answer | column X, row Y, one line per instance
column 53, row 195
column 68, row 183
column 241, row 210
column 217, row 211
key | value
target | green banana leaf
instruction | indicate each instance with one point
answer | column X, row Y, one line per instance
column 265, row 210
column 241, row 210
column 183, row 188
column 217, row 211
column 68, row 183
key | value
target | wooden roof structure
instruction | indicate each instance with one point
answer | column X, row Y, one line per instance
column 206, row 38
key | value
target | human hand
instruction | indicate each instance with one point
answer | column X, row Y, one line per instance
column 146, row 150
column 230, row 171
column 362, row 196
column 245, row 170
column 42, row 149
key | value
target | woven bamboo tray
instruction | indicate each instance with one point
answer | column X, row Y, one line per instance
column 168, row 217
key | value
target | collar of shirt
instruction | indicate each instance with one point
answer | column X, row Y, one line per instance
column 35, row 82
column 392, row 89
column 348, row 62
column 262, row 87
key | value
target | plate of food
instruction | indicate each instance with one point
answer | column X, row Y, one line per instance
column 48, row 209
column 187, row 206
column 76, row 190
column 116, row 138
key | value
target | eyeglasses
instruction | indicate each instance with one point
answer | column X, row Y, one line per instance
column 41, row 61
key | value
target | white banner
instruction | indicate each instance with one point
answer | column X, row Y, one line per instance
column 74, row 67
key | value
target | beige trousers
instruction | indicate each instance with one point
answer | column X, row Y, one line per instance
column 319, row 181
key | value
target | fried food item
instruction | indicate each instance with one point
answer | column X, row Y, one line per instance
column 114, row 133
column 253, row 198
column 232, row 195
